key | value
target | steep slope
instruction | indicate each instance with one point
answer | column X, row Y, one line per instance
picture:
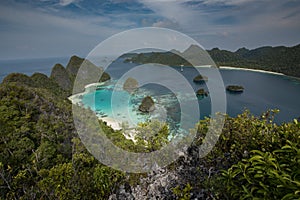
column 89, row 73
column 61, row 76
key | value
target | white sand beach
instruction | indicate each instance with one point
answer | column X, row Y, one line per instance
column 112, row 123
column 247, row 69
column 116, row 125
column 76, row 98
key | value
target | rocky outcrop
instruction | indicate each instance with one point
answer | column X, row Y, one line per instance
column 202, row 93
column 130, row 85
column 147, row 105
column 200, row 79
column 159, row 184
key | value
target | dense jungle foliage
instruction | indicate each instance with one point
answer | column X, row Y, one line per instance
column 42, row 157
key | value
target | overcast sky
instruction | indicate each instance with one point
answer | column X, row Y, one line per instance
column 50, row 28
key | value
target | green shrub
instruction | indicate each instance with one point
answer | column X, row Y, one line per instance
column 270, row 173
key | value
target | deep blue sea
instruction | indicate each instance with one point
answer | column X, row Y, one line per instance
column 262, row 91
column 29, row 66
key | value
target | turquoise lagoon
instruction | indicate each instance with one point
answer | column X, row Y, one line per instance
column 109, row 102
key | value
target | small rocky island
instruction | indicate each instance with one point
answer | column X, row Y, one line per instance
column 202, row 93
column 235, row 88
column 200, row 79
column 147, row 105
column 130, row 85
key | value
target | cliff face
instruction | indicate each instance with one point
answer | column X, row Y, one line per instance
column 89, row 73
column 74, row 65
column 60, row 75
column 61, row 80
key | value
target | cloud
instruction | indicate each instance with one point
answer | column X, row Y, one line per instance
column 45, row 34
column 228, row 2
column 37, row 28
column 232, row 23
column 66, row 2
column 166, row 24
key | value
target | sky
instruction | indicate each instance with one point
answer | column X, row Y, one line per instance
column 58, row 28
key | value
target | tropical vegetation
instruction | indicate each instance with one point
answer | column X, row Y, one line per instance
column 42, row 157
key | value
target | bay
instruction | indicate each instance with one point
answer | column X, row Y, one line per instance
column 263, row 91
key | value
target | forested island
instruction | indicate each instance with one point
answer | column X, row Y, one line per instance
column 279, row 59
column 42, row 157
column 235, row 88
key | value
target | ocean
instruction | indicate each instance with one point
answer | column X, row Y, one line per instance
column 29, row 66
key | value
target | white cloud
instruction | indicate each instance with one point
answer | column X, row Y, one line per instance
column 171, row 10
column 228, row 2
column 33, row 31
column 48, row 35
column 66, row 2
column 254, row 22
column 166, row 24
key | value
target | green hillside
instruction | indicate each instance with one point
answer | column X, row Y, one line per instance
column 280, row 59
column 42, row 157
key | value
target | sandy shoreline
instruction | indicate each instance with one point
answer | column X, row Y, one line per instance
column 112, row 123
column 76, row 99
column 240, row 68
column 117, row 126
column 253, row 70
